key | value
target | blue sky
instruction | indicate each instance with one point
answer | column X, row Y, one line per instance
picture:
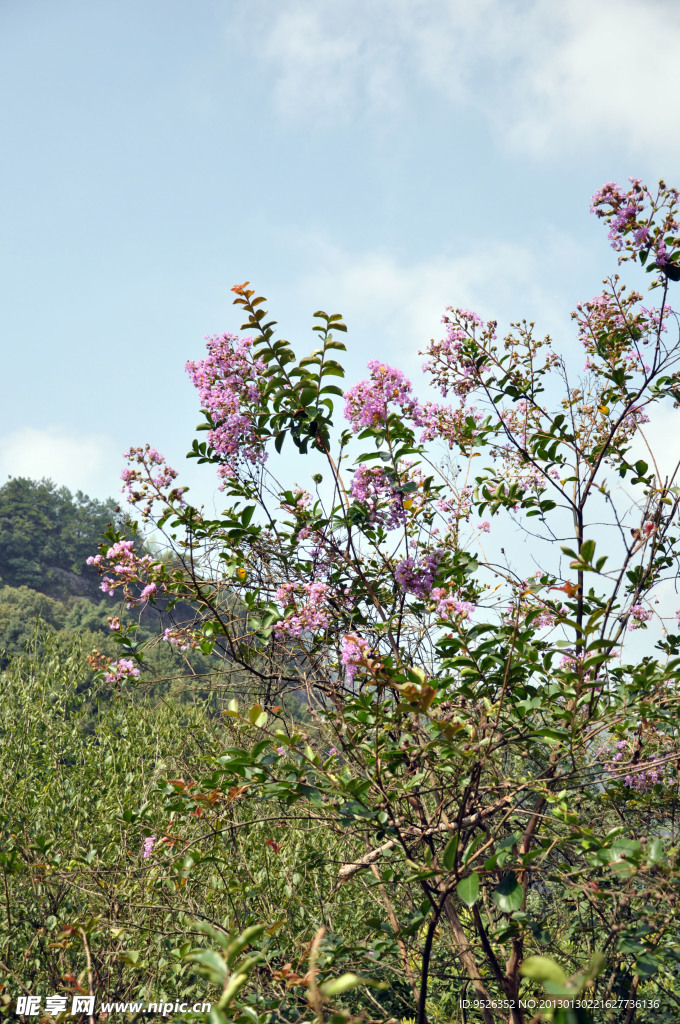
column 382, row 160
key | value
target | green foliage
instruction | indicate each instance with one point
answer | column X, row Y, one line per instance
column 477, row 794
column 46, row 535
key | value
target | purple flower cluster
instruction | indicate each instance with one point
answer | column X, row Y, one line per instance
column 622, row 211
column 614, row 326
column 310, row 615
column 642, row 778
column 148, row 846
column 638, row 220
column 354, row 651
column 375, row 489
column 456, row 507
column 638, row 616
column 229, row 382
column 367, row 404
column 417, row 576
column 124, row 668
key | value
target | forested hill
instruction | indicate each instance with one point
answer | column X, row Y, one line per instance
column 46, row 535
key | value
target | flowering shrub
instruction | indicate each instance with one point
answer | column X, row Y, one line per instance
column 466, row 692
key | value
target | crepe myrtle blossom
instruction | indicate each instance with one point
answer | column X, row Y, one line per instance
column 367, row 404
column 229, row 382
column 147, row 479
column 372, row 486
column 417, row 576
column 642, row 778
column 456, row 426
column 638, row 221
column 124, row 568
column 310, row 611
column 124, row 668
column 638, row 616
column 452, row 359
column 449, row 607
column 645, row 778
column 148, row 846
column 182, row 639
column 614, row 327
column 354, row 652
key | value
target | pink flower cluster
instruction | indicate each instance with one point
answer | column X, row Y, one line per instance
column 354, row 651
column 638, row 220
column 638, row 616
column 367, row 404
column 183, row 639
column 124, row 668
column 374, row 488
column 545, row 620
column 449, row 607
column 229, row 382
column 129, row 567
column 457, row 507
column 622, row 211
column 417, row 576
column 148, row 479
column 614, row 327
column 148, row 846
column 452, row 359
column 448, row 423
column 310, row 611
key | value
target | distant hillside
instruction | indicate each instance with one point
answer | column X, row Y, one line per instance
column 46, row 535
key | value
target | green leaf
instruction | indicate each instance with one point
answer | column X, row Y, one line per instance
column 559, row 735
column 236, row 982
column 646, row 966
column 449, row 855
column 238, row 945
column 254, row 713
column 210, row 963
column 655, row 854
column 587, row 551
column 596, row 965
column 508, row 893
column 468, row 889
column 336, row 986
column 542, row 968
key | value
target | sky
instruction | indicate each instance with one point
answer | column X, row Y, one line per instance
column 381, row 160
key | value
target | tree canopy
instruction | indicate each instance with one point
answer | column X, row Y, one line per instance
column 46, row 535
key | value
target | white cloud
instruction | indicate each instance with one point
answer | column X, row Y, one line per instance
column 393, row 308
column 546, row 76
column 88, row 463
